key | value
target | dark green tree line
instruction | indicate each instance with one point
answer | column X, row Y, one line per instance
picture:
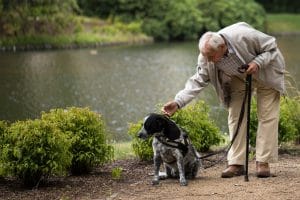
column 179, row 20
column 27, row 17
column 161, row 19
column 280, row 6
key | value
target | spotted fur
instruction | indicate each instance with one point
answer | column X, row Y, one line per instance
column 177, row 163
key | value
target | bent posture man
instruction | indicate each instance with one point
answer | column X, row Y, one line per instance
column 221, row 54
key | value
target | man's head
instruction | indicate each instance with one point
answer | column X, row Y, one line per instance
column 212, row 46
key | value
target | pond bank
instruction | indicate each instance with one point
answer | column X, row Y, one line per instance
column 87, row 33
column 138, row 40
column 30, row 47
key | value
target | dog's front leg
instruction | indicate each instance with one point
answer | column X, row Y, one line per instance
column 180, row 164
column 157, row 163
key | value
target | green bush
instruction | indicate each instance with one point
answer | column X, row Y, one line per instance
column 88, row 132
column 226, row 12
column 183, row 19
column 156, row 28
column 289, row 127
column 253, row 122
column 194, row 119
column 3, row 129
column 35, row 149
column 201, row 129
column 141, row 148
column 176, row 20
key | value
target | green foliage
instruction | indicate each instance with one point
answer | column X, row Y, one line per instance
column 174, row 20
column 86, row 31
column 178, row 20
column 72, row 138
column 35, row 149
column 141, row 148
column 156, row 28
column 183, row 20
column 200, row 128
column 220, row 13
column 116, row 173
column 23, row 21
column 88, row 132
column 42, row 17
column 289, row 127
column 46, row 6
column 280, row 6
column 194, row 119
column 3, row 129
column 128, row 9
column 253, row 123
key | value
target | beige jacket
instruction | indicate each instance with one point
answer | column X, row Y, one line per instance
column 249, row 45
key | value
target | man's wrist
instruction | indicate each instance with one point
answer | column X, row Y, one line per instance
column 177, row 104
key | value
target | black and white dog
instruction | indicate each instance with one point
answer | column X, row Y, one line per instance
column 172, row 147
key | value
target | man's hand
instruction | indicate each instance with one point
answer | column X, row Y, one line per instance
column 253, row 68
column 170, row 108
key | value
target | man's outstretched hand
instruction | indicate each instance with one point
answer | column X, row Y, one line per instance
column 170, row 108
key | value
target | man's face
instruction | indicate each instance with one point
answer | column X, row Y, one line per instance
column 214, row 55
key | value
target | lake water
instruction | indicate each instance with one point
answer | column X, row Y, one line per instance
column 122, row 83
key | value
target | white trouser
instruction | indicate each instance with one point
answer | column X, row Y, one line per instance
column 268, row 102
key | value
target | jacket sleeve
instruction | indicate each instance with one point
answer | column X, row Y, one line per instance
column 194, row 84
column 265, row 47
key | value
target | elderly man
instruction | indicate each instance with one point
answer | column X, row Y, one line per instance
column 221, row 54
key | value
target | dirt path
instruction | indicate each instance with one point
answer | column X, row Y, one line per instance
column 135, row 184
column 209, row 185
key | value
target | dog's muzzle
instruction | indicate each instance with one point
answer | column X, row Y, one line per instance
column 142, row 134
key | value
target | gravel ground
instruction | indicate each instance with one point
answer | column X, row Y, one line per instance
column 135, row 184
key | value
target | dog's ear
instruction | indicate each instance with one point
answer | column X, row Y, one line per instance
column 171, row 130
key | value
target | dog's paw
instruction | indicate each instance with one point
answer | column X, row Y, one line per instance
column 155, row 182
column 162, row 175
column 183, row 183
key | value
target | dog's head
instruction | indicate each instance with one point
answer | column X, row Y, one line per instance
column 155, row 123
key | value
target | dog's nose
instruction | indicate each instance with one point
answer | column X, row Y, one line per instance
column 139, row 135
column 142, row 135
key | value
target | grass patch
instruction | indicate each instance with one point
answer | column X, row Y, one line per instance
column 123, row 150
column 86, row 31
column 283, row 23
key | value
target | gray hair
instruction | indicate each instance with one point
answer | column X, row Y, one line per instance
column 213, row 39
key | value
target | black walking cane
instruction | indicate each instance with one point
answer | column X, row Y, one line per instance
column 248, row 85
column 248, row 90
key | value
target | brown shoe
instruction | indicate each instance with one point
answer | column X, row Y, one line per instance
column 262, row 170
column 233, row 170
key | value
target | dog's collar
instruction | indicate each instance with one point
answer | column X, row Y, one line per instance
column 183, row 147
